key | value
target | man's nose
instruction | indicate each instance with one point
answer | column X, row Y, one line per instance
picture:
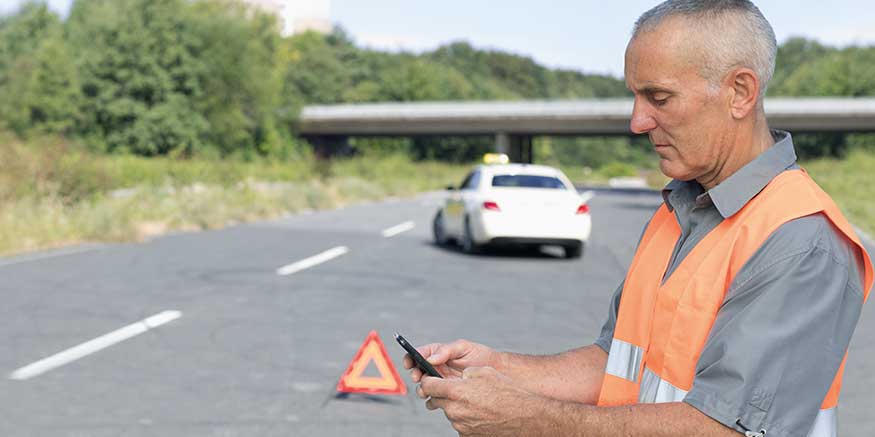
column 642, row 121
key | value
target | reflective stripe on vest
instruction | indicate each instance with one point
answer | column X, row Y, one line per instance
column 624, row 360
column 662, row 326
column 826, row 424
column 656, row 391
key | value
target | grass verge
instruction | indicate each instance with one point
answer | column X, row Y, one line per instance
column 53, row 194
column 851, row 183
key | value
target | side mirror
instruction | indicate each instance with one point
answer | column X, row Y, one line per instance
column 451, row 188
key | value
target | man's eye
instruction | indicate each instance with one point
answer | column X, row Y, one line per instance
column 659, row 99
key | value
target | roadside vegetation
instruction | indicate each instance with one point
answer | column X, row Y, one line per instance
column 850, row 183
column 54, row 193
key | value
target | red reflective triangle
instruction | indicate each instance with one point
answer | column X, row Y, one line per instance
column 388, row 383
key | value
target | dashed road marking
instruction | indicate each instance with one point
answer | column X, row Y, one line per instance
column 315, row 260
column 397, row 229
column 89, row 347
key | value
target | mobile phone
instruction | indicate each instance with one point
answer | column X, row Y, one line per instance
column 417, row 358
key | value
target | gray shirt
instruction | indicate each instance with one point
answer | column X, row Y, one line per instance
column 787, row 317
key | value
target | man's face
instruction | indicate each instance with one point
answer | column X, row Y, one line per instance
column 687, row 120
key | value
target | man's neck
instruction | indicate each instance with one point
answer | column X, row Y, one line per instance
column 747, row 148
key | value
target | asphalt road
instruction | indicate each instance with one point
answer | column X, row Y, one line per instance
column 254, row 353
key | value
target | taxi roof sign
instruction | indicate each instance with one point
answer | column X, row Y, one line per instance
column 389, row 382
column 496, row 158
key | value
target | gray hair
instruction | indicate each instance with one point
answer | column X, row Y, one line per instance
column 735, row 34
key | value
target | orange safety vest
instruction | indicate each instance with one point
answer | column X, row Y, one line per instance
column 661, row 329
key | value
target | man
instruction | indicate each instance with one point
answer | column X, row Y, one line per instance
column 746, row 285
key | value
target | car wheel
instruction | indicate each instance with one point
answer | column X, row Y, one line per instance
column 574, row 250
column 468, row 244
column 437, row 229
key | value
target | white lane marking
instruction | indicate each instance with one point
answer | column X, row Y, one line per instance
column 328, row 255
column 587, row 196
column 50, row 254
column 397, row 229
column 92, row 346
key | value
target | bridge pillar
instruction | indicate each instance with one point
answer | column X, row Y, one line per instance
column 502, row 143
column 517, row 147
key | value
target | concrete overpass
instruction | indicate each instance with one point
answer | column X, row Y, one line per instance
column 515, row 123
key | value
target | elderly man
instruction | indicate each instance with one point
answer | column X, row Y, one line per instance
column 746, row 285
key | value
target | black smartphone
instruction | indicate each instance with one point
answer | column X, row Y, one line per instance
column 420, row 362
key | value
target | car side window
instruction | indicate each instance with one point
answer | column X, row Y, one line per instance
column 465, row 181
column 472, row 181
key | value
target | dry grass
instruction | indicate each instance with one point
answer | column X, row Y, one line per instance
column 54, row 194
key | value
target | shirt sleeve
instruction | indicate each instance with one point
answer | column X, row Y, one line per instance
column 607, row 334
column 782, row 331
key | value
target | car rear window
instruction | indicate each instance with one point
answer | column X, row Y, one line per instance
column 527, row 181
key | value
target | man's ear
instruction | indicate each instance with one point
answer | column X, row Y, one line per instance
column 745, row 92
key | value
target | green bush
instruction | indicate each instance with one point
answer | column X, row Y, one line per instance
column 618, row 169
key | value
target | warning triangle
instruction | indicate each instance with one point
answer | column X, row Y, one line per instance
column 372, row 351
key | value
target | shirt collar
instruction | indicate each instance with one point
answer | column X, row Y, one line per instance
column 739, row 188
column 666, row 192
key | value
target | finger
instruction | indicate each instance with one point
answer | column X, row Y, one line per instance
column 437, row 387
column 420, row 393
column 416, row 374
column 447, row 352
column 425, row 351
column 428, row 349
column 435, row 403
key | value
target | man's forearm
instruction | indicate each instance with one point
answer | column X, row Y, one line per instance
column 561, row 418
column 575, row 375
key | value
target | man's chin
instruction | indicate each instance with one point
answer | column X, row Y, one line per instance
column 671, row 170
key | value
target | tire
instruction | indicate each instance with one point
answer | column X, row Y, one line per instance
column 468, row 244
column 437, row 229
column 573, row 251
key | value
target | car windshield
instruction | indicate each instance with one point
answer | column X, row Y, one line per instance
column 527, row 181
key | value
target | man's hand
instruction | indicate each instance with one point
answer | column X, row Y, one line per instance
column 451, row 359
column 482, row 402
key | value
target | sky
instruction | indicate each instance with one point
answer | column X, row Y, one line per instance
column 583, row 35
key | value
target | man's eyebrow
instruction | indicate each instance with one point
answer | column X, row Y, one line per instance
column 653, row 89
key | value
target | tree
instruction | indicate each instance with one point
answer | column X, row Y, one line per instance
column 241, row 53
column 174, row 76
column 139, row 74
column 39, row 88
column 53, row 91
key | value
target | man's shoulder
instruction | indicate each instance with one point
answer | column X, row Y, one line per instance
column 812, row 235
column 804, row 233
column 813, row 232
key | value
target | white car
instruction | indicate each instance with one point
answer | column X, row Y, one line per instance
column 514, row 204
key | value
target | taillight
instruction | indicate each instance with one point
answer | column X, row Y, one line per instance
column 583, row 209
column 492, row 206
